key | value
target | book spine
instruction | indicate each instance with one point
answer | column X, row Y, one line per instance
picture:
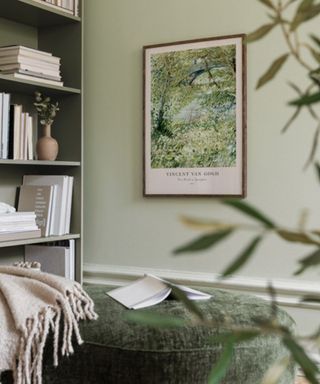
column 76, row 7
column 69, row 204
column 11, row 128
column 1, row 113
column 17, row 131
column 30, row 138
column 5, row 125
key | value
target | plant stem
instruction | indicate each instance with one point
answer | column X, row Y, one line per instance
column 293, row 50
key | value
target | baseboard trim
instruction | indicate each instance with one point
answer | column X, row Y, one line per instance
column 289, row 292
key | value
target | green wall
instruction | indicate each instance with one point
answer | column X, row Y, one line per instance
column 122, row 227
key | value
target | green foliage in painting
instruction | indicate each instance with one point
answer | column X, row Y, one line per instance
column 193, row 108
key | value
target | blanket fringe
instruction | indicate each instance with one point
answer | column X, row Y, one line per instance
column 75, row 306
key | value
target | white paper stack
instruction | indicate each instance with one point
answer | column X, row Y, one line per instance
column 30, row 64
column 18, row 226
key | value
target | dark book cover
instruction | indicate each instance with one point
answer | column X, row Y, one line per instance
column 11, row 123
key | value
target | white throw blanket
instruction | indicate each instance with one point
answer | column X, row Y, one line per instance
column 31, row 304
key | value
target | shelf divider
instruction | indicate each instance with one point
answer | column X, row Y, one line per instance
column 10, row 84
column 50, row 239
column 56, row 163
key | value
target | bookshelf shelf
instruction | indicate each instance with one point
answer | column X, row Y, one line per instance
column 29, row 87
column 35, row 14
column 50, row 239
column 41, row 162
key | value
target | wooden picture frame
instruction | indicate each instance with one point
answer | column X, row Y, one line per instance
column 195, row 118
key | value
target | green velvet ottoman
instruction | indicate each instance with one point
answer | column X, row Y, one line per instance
column 118, row 352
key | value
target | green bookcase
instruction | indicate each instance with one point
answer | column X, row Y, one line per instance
column 34, row 24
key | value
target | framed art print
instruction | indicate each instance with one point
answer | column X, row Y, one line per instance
column 195, row 118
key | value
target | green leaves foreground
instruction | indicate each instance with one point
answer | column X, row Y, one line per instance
column 216, row 231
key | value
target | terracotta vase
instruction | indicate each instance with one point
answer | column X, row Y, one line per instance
column 47, row 146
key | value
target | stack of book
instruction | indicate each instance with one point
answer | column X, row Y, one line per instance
column 57, row 257
column 16, row 131
column 18, row 226
column 69, row 6
column 50, row 197
column 30, row 64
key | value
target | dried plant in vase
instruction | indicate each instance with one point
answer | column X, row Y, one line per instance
column 47, row 146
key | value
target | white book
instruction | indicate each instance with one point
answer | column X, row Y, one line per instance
column 59, row 212
column 16, row 131
column 32, row 75
column 17, row 216
column 22, row 135
column 30, row 138
column 10, row 225
column 76, row 7
column 53, row 217
column 72, row 259
column 69, row 4
column 150, row 290
column 34, row 78
column 19, row 228
column 54, row 260
column 34, row 71
column 1, row 112
column 69, row 205
column 5, row 125
column 20, row 49
column 25, row 60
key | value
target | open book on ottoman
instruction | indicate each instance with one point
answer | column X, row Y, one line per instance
column 151, row 290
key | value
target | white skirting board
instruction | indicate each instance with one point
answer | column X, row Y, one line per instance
column 289, row 292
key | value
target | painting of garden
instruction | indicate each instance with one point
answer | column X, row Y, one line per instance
column 193, row 108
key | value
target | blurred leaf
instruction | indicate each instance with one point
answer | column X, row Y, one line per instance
column 311, row 299
column 260, row 32
column 313, row 147
column 204, row 242
column 276, row 371
column 243, row 257
column 153, row 319
column 315, row 54
column 309, row 261
column 315, row 39
column 307, row 10
column 250, row 211
column 273, row 70
column 206, row 225
column 315, row 75
column 299, row 237
column 267, row 3
column 238, row 337
column 291, row 120
column 317, row 167
column 306, row 100
column 191, row 305
column 308, row 367
column 221, row 367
